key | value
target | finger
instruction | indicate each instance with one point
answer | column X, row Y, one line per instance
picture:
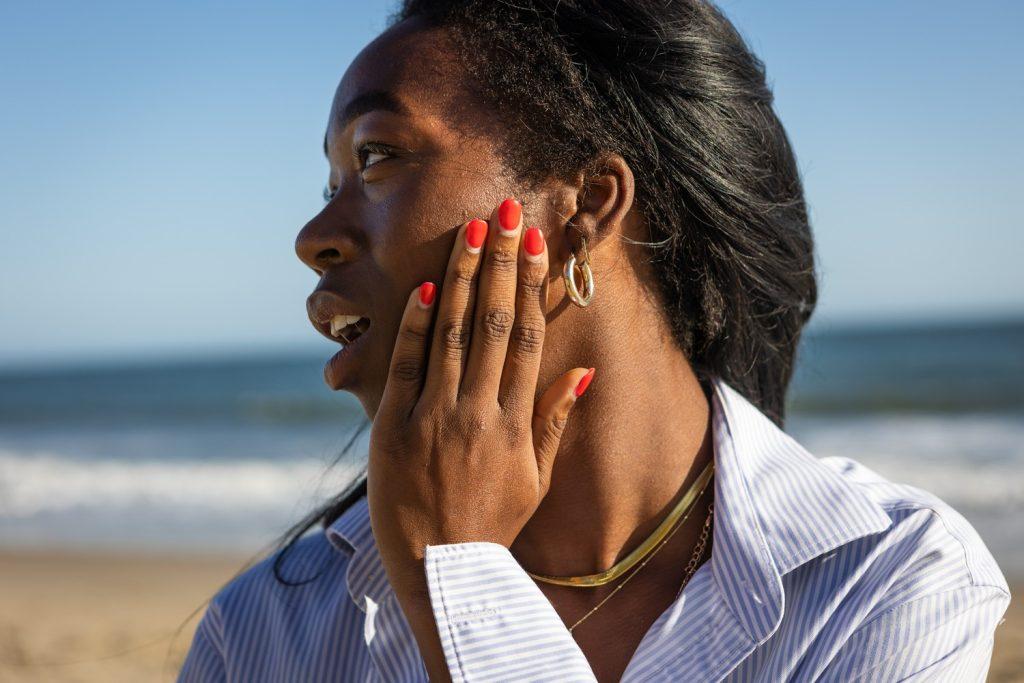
column 522, row 362
column 550, row 417
column 495, row 303
column 454, row 320
column 408, row 360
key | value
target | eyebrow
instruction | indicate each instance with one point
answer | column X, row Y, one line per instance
column 366, row 102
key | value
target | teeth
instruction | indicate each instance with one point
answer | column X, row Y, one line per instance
column 340, row 321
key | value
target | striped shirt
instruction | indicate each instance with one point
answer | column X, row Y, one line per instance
column 820, row 570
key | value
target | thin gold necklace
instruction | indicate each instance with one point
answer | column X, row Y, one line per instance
column 625, row 564
column 691, row 566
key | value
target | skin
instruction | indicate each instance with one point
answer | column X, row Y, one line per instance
column 484, row 440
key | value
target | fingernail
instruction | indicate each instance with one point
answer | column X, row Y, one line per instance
column 509, row 214
column 533, row 242
column 584, row 383
column 476, row 233
column 427, row 291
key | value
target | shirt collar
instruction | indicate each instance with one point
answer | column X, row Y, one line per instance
column 351, row 533
column 776, row 507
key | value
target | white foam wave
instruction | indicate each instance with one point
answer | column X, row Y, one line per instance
column 49, row 495
column 984, row 487
column 967, row 460
column 40, row 483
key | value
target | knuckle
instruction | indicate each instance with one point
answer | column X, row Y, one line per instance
column 553, row 434
column 408, row 370
column 512, row 421
column 531, row 289
column 463, row 275
column 471, row 424
column 454, row 335
column 496, row 322
column 501, row 261
column 528, row 336
column 412, row 335
column 557, row 425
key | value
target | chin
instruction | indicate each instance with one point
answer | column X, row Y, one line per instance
column 368, row 399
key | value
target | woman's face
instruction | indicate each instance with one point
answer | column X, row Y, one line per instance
column 402, row 180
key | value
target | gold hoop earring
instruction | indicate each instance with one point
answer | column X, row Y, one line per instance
column 568, row 274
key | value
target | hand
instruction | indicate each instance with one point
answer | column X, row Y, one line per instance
column 458, row 450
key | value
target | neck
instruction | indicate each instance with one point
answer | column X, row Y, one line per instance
column 631, row 448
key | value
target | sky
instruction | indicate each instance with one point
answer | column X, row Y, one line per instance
column 158, row 159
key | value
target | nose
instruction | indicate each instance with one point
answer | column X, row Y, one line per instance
column 322, row 243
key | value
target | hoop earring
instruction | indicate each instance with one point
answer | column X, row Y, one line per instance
column 568, row 274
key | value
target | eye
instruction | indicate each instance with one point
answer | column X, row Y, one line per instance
column 379, row 150
column 367, row 149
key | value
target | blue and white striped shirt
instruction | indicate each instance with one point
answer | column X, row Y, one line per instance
column 820, row 570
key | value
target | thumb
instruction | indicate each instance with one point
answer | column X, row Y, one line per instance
column 550, row 415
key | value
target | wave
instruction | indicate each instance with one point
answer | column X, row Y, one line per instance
column 967, row 460
column 84, row 487
column 43, row 483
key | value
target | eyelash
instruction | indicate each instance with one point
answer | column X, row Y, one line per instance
column 371, row 147
column 367, row 148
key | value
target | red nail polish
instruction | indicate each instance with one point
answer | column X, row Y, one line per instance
column 509, row 214
column 476, row 233
column 427, row 291
column 584, row 383
column 534, row 241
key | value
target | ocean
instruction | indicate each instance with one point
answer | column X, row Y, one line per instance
column 225, row 453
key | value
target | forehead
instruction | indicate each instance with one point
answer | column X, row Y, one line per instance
column 407, row 69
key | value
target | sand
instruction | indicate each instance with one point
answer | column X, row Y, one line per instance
column 101, row 617
column 67, row 616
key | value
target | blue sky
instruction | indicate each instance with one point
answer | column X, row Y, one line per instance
column 157, row 160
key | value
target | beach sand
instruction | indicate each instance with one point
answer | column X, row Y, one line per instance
column 66, row 616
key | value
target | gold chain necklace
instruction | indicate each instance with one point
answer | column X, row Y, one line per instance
column 691, row 566
column 684, row 505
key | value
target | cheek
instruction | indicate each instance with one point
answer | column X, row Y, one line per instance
column 418, row 221
column 411, row 242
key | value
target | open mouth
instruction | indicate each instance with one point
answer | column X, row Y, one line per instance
column 347, row 328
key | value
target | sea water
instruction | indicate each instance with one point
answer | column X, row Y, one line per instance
column 224, row 454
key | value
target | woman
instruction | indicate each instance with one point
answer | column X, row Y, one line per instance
column 535, row 199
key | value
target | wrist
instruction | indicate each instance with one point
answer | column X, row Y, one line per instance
column 408, row 579
column 413, row 597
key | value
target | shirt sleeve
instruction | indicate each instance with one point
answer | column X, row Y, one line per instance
column 494, row 622
column 205, row 660
column 945, row 636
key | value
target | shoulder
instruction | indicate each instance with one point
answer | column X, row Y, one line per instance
column 841, row 536
column 920, row 598
column 926, row 533
column 914, row 593
column 929, row 565
column 285, row 613
column 285, row 582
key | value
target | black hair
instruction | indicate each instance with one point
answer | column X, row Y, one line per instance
column 671, row 86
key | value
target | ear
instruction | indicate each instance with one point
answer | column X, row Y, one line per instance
column 604, row 197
